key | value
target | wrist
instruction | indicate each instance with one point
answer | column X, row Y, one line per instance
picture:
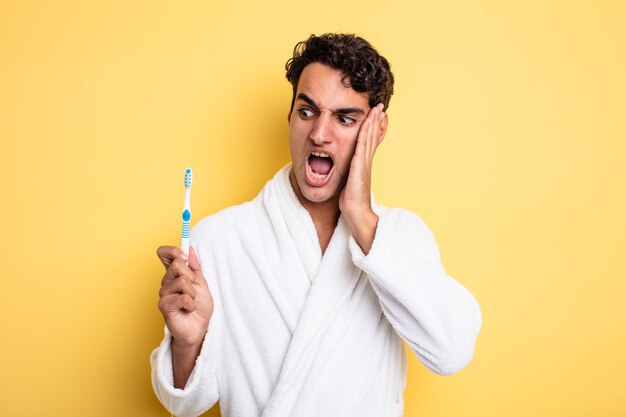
column 183, row 347
column 183, row 361
column 363, row 229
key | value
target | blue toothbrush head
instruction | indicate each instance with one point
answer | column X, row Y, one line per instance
column 188, row 178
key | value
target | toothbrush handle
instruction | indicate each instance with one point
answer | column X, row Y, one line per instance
column 185, row 237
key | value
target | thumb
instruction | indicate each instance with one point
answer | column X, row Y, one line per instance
column 193, row 263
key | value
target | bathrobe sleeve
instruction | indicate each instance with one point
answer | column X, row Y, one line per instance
column 201, row 391
column 199, row 394
column 437, row 317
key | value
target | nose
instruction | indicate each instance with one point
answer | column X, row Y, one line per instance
column 322, row 129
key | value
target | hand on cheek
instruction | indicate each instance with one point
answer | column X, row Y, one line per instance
column 355, row 200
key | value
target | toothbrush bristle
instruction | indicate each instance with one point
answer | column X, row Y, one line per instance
column 188, row 177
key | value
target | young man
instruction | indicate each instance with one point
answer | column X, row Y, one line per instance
column 297, row 303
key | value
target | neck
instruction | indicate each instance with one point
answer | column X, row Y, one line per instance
column 325, row 214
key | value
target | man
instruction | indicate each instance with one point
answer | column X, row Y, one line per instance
column 297, row 303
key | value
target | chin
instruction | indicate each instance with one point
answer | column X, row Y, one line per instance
column 316, row 197
column 319, row 195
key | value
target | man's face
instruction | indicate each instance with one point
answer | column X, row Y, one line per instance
column 323, row 129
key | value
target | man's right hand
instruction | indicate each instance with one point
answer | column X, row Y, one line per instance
column 184, row 299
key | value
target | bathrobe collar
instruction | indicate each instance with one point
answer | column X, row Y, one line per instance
column 333, row 279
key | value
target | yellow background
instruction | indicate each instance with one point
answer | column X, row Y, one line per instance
column 507, row 135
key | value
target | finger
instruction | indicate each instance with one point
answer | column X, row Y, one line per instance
column 176, row 302
column 374, row 116
column 167, row 254
column 178, row 286
column 362, row 138
column 178, row 269
column 376, row 130
column 383, row 127
column 194, row 263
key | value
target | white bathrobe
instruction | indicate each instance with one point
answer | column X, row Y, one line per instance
column 298, row 333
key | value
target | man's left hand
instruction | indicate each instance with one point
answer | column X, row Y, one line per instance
column 355, row 201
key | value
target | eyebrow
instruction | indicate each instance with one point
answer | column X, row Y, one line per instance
column 342, row 110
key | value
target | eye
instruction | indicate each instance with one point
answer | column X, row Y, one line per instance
column 345, row 120
column 305, row 113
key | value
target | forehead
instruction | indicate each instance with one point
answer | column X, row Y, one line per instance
column 322, row 83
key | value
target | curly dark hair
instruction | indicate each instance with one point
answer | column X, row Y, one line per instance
column 364, row 69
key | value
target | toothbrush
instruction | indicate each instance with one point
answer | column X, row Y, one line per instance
column 186, row 212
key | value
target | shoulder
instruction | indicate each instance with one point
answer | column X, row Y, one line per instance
column 408, row 226
column 403, row 220
column 226, row 220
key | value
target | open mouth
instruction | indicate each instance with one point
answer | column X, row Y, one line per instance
column 320, row 166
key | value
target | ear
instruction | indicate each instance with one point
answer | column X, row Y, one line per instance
column 289, row 116
column 383, row 128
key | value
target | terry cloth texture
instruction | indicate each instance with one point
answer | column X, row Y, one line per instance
column 298, row 333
